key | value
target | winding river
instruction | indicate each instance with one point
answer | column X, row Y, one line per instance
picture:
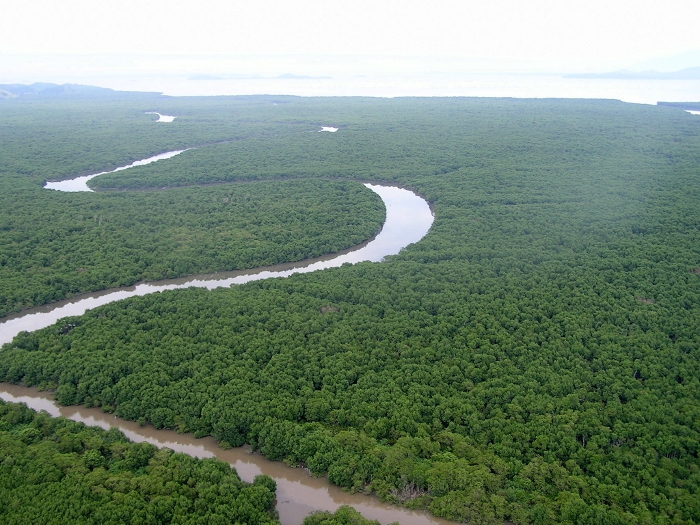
column 80, row 183
column 408, row 219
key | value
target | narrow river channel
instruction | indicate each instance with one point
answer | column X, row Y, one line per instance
column 298, row 493
column 408, row 219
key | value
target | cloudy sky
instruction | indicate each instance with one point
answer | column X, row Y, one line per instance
column 571, row 34
column 353, row 47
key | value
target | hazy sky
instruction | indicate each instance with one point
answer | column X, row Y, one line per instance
column 570, row 34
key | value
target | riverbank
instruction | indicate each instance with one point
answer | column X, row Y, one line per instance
column 298, row 493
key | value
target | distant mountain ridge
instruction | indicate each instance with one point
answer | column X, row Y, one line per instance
column 48, row 90
column 691, row 73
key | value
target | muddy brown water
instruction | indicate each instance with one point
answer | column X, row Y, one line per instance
column 298, row 493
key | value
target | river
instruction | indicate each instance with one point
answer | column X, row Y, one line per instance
column 80, row 183
column 298, row 493
column 408, row 219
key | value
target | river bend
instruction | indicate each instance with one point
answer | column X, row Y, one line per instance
column 408, row 219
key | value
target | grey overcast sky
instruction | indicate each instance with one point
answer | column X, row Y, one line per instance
column 571, row 34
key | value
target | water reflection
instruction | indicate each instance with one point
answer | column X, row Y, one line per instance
column 80, row 183
column 408, row 219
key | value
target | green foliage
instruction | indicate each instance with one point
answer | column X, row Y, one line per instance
column 54, row 245
column 58, row 471
column 534, row 359
column 343, row 516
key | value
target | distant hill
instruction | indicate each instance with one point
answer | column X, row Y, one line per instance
column 691, row 73
column 47, row 90
column 6, row 94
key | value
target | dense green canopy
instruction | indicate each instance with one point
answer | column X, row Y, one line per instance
column 54, row 245
column 534, row 359
column 53, row 470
